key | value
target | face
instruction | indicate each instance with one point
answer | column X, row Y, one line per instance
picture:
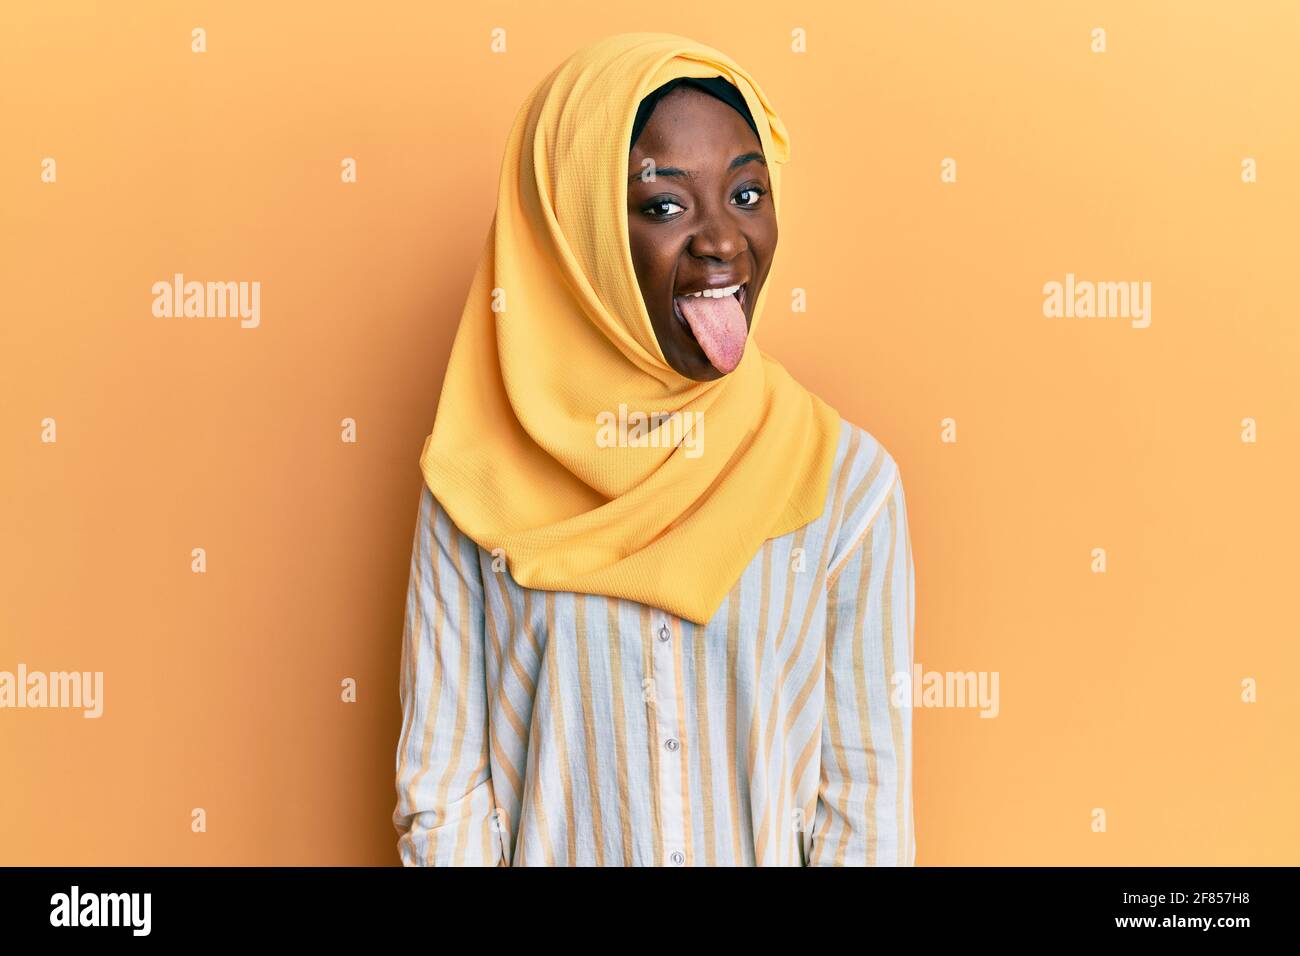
column 704, row 222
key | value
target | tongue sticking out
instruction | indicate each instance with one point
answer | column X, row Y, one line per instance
column 719, row 327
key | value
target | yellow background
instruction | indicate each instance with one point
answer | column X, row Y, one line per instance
column 1118, row 691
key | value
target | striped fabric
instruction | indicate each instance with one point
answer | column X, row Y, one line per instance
column 556, row 729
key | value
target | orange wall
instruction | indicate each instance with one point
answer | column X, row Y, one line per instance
column 222, row 690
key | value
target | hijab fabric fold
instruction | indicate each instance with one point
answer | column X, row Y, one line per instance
column 554, row 340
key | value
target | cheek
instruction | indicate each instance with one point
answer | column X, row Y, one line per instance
column 654, row 269
column 642, row 248
column 765, row 240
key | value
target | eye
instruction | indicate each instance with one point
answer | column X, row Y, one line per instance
column 655, row 208
column 757, row 192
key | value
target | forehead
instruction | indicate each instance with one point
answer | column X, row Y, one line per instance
column 690, row 122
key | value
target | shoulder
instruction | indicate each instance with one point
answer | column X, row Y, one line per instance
column 863, row 480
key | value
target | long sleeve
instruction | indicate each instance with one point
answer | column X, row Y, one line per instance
column 864, row 801
column 445, row 812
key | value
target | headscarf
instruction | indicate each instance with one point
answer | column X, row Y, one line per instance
column 555, row 339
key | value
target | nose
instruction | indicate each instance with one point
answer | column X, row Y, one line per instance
column 718, row 237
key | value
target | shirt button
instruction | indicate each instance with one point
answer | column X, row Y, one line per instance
column 678, row 857
column 671, row 744
column 663, row 632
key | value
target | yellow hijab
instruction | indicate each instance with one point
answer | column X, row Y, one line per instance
column 555, row 337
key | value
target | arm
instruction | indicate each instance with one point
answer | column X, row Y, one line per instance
column 864, row 800
column 445, row 805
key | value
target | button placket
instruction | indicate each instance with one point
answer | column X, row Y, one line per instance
column 669, row 735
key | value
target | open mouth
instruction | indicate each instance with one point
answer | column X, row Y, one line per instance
column 716, row 321
column 736, row 292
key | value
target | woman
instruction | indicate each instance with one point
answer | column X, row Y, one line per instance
column 659, row 592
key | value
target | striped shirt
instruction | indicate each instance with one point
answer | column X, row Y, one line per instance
column 544, row 728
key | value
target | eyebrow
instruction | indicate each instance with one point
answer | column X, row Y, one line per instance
column 736, row 163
